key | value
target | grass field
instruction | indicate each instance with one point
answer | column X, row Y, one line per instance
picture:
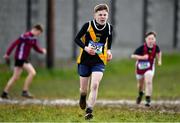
column 118, row 83
column 74, row 114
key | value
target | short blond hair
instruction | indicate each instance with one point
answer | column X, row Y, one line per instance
column 100, row 7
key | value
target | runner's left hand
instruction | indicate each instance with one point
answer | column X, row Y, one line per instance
column 109, row 55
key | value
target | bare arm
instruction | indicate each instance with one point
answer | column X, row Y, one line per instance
column 159, row 57
column 38, row 48
column 139, row 57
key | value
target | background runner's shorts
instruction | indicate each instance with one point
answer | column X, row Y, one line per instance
column 138, row 76
column 19, row 63
column 85, row 70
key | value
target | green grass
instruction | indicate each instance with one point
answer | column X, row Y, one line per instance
column 119, row 79
column 119, row 82
column 35, row 113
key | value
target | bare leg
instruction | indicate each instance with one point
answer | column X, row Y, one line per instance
column 31, row 73
column 140, row 85
column 148, row 87
column 16, row 74
column 148, row 80
column 96, row 78
column 83, row 91
column 84, row 85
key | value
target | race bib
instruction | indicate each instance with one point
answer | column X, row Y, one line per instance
column 142, row 65
column 98, row 47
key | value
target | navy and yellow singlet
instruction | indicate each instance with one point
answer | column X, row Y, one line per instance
column 98, row 37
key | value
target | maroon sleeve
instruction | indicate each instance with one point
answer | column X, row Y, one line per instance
column 37, row 47
column 12, row 46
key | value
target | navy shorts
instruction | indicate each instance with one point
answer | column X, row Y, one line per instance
column 86, row 70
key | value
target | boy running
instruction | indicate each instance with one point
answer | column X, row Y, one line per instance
column 23, row 47
column 145, row 66
column 94, row 40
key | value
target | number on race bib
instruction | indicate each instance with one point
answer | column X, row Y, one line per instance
column 143, row 65
column 98, row 47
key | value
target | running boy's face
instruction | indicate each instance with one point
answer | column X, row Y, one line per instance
column 150, row 40
column 36, row 32
column 101, row 17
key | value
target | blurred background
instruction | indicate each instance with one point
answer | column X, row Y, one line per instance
column 62, row 19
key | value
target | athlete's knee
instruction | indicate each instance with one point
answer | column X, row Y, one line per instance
column 148, row 82
column 149, row 74
column 15, row 77
column 95, row 86
column 83, row 91
column 32, row 73
column 148, row 89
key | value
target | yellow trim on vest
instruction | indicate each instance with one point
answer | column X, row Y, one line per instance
column 92, row 33
column 81, row 50
column 102, row 56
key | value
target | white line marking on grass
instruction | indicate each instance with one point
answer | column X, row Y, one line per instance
column 72, row 102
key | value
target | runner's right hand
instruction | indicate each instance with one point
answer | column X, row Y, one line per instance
column 44, row 50
column 145, row 57
column 90, row 50
column 6, row 57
